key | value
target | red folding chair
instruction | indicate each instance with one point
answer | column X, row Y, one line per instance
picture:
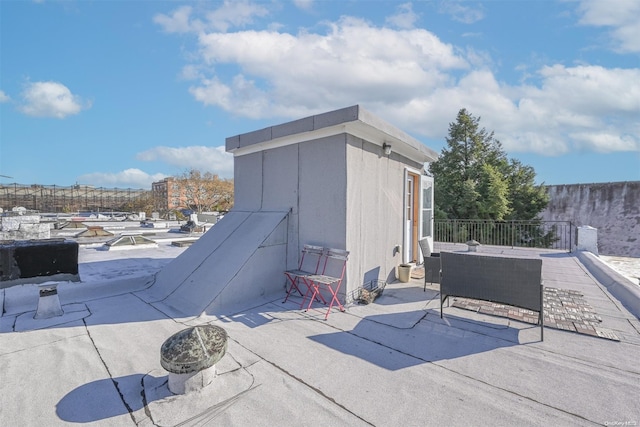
column 309, row 264
column 335, row 262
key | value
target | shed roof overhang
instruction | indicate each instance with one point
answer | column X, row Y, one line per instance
column 353, row 120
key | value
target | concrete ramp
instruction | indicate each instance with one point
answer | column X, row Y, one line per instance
column 241, row 258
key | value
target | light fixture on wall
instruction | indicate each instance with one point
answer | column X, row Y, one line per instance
column 386, row 148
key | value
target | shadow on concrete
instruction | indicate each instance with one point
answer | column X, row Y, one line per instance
column 145, row 397
column 428, row 341
column 99, row 400
column 248, row 318
column 556, row 255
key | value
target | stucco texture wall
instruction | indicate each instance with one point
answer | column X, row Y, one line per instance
column 612, row 208
column 322, row 200
column 341, row 191
column 308, row 180
column 375, row 190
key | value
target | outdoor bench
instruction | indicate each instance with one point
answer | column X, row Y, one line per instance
column 511, row 281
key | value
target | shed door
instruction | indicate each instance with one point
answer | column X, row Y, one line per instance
column 418, row 214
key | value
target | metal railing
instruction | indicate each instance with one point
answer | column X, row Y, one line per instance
column 531, row 234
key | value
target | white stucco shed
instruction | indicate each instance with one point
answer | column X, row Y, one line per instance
column 331, row 174
column 324, row 180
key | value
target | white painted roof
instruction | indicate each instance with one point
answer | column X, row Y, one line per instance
column 392, row 362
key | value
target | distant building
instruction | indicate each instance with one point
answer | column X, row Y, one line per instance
column 169, row 195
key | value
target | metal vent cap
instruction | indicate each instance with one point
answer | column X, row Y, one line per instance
column 193, row 349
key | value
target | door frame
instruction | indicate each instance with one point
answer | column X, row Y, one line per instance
column 411, row 220
column 426, row 212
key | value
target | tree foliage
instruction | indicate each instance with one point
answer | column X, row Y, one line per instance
column 142, row 203
column 474, row 179
column 205, row 192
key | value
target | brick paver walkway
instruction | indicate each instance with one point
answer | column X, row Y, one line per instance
column 563, row 309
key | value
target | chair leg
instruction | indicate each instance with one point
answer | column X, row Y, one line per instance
column 293, row 285
column 311, row 292
column 337, row 301
column 334, row 298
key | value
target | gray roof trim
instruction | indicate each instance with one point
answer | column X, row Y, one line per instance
column 353, row 120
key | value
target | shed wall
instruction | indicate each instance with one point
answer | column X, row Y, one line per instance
column 375, row 203
column 309, row 180
column 323, row 192
column 340, row 191
column 247, row 181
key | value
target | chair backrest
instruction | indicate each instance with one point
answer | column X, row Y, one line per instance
column 512, row 281
column 313, row 255
column 425, row 247
column 335, row 262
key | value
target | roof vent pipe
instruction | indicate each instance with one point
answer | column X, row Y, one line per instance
column 49, row 302
column 473, row 246
column 190, row 357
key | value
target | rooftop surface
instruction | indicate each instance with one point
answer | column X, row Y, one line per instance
column 392, row 362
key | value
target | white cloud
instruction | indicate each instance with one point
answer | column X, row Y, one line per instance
column 206, row 159
column 606, row 141
column 405, row 17
column 232, row 13
column 414, row 80
column 593, row 90
column 129, row 178
column 212, row 159
column 461, row 13
column 572, row 109
column 430, row 114
column 621, row 16
column 50, row 99
column 585, row 108
column 190, row 72
column 4, row 97
column 235, row 13
column 303, row 4
column 352, row 61
column 178, row 21
column 577, row 108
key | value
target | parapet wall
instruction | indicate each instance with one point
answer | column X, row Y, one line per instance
column 23, row 227
column 613, row 208
column 37, row 261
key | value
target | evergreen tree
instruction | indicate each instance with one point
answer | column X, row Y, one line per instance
column 527, row 200
column 474, row 179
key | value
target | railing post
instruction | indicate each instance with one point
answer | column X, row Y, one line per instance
column 570, row 236
column 513, row 233
column 455, row 231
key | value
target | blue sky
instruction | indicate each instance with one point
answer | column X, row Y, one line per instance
column 123, row 93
